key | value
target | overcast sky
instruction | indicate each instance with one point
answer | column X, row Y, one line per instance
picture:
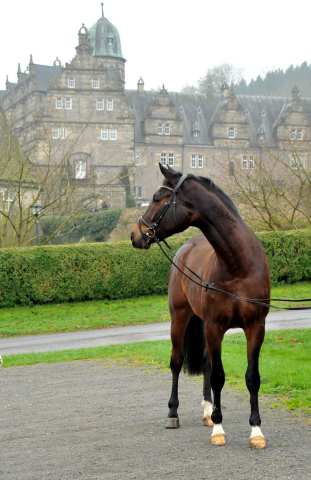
column 165, row 41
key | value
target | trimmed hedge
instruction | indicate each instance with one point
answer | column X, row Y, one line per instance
column 117, row 270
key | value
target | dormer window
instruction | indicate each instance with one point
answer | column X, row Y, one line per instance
column 196, row 130
column 263, row 113
column 95, row 82
column 110, row 41
column 246, row 112
column 181, row 109
column 199, row 110
column 261, row 133
column 71, row 82
column 231, row 132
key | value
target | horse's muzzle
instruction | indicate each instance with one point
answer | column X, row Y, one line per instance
column 137, row 240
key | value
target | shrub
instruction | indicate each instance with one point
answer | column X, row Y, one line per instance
column 94, row 227
column 117, row 270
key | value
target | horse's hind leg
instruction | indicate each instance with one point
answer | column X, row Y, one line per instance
column 207, row 392
column 255, row 337
column 214, row 338
column 180, row 319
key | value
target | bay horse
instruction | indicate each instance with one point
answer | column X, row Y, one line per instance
column 228, row 256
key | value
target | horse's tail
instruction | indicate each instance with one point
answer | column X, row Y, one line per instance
column 194, row 346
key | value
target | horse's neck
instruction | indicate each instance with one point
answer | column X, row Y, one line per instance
column 229, row 236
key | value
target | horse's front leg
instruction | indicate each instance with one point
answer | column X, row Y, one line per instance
column 207, row 392
column 214, row 338
column 255, row 337
column 178, row 328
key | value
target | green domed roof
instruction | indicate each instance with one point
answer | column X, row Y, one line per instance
column 105, row 39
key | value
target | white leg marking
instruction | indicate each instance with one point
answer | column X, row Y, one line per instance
column 217, row 429
column 208, row 408
column 1, row 361
column 256, row 432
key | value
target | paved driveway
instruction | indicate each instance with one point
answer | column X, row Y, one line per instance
column 141, row 333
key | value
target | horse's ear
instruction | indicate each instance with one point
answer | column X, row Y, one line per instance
column 169, row 173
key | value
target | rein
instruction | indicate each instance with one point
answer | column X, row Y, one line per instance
column 208, row 286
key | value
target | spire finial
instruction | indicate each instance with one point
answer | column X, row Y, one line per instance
column 102, row 9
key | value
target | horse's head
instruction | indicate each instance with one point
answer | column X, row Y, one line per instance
column 167, row 213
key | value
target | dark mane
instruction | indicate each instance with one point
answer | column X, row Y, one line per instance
column 212, row 187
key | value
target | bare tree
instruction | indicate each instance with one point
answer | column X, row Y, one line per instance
column 44, row 174
column 217, row 76
column 272, row 187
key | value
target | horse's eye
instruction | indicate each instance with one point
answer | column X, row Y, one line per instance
column 156, row 199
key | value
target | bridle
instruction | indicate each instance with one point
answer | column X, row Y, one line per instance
column 147, row 237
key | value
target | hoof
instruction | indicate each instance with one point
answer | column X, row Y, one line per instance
column 257, row 442
column 218, row 439
column 172, row 423
column 208, row 422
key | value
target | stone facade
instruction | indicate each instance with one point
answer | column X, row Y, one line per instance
column 84, row 109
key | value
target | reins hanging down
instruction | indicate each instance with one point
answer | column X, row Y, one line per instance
column 147, row 237
column 210, row 286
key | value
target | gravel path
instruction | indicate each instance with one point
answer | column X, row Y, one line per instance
column 94, row 420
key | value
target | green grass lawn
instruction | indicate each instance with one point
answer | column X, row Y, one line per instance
column 70, row 317
column 285, row 365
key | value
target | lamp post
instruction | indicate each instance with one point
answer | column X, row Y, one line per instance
column 35, row 210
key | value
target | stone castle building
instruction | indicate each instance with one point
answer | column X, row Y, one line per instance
column 108, row 129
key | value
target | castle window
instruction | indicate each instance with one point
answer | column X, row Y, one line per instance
column 231, row 168
column 294, row 164
column 7, row 199
column 299, row 134
column 244, row 162
column 59, row 103
column 251, row 163
column 138, row 159
column 163, row 158
column 68, row 103
column 63, row 133
column 104, row 134
column 71, row 82
column 55, row 132
column 231, row 132
column 99, row 104
column 293, row 134
column 160, row 128
column 200, row 161
column 140, row 192
column 95, row 82
column 171, row 159
column 80, row 169
column 193, row 162
column 167, row 129
column 113, row 134
column 110, row 104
